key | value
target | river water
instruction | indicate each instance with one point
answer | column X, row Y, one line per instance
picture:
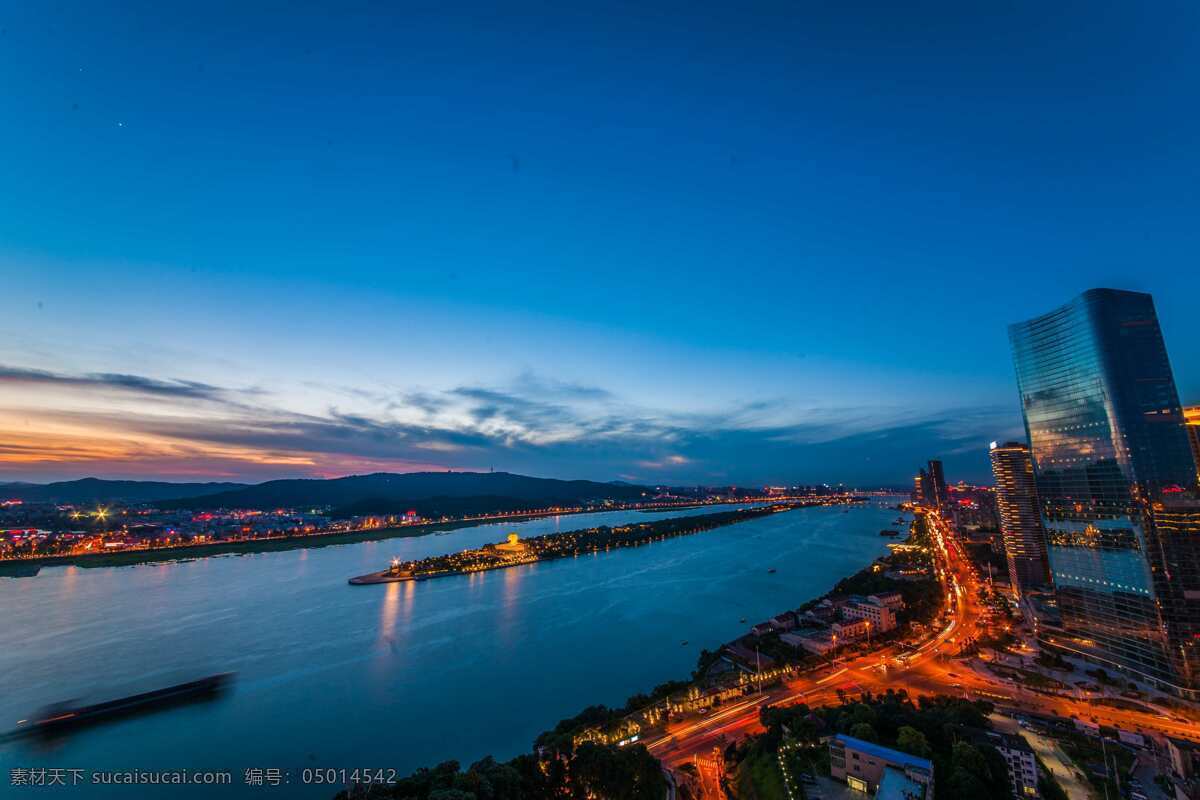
column 394, row 676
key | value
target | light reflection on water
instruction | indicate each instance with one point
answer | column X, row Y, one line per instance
column 404, row 674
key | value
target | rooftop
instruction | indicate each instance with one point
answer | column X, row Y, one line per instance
column 1007, row 740
column 886, row 753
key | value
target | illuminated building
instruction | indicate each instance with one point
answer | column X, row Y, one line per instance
column 1107, row 440
column 918, row 494
column 937, row 479
column 1020, row 522
column 929, row 487
column 1191, row 416
column 867, row 767
column 1177, row 529
column 512, row 546
column 882, row 617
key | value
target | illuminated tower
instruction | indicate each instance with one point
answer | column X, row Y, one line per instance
column 941, row 498
column 1109, row 448
column 919, row 484
column 1020, row 522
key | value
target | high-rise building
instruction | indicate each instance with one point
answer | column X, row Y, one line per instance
column 1109, row 449
column 1191, row 416
column 1177, row 530
column 1020, row 520
column 941, row 498
column 923, row 493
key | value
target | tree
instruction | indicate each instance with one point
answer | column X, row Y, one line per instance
column 912, row 741
column 968, row 772
column 864, row 731
column 616, row 773
column 451, row 794
column 978, row 772
column 863, row 713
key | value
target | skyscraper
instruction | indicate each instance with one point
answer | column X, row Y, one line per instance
column 919, row 482
column 1108, row 445
column 937, row 477
column 1191, row 416
column 1020, row 521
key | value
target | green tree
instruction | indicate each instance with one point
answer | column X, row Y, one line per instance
column 451, row 794
column 614, row 773
column 863, row 713
column 864, row 731
column 968, row 772
column 912, row 741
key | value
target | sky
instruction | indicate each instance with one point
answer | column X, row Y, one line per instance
column 654, row 242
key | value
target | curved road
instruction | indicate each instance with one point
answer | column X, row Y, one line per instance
column 929, row 671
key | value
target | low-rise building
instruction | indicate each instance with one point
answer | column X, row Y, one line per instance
column 1022, row 764
column 873, row 610
column 893, row 600
column 815, row 642
column 784, row 622
column 850, row 630
column 865, row 766
column 761, row 629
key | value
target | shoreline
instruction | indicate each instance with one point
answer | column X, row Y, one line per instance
column 30, row 567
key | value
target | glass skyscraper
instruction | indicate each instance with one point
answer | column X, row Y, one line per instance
column 1109, row 449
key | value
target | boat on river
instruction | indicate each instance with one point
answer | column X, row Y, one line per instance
column 61, row 717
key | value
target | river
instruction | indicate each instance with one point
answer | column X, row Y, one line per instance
column 395, row 676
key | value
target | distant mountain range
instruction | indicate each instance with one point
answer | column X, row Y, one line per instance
column 429, row 493
column 95, row 490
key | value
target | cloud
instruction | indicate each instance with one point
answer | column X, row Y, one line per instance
column 112, row 381
column 532, row 425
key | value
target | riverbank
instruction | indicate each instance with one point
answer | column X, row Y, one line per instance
column 620, row 733
column 29, row 567
column 598, row 628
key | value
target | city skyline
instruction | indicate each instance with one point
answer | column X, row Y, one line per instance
column 623, row 401
column 241, row 270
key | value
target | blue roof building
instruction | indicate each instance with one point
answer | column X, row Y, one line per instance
column 866, row 766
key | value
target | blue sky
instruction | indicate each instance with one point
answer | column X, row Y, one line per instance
column 661, row 242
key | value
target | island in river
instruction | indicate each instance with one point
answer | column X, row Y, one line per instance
column 514, row 551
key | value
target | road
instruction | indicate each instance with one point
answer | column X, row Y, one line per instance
column 931, row 670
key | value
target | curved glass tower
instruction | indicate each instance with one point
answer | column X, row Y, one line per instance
column 1107, row 438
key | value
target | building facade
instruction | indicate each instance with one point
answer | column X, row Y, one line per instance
column 864, row 765
column 1020, row 520
column 937, row 478
column 873, row 610
column 1191, row 416
column 922, row 491
column 1109, row 447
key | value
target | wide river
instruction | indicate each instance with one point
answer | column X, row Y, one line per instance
column 400, row 675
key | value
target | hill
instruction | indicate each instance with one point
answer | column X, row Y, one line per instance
column 429, row 493
column 95, row 490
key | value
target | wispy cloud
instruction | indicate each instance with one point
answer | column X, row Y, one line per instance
column 531, row 425
column 112, row 381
